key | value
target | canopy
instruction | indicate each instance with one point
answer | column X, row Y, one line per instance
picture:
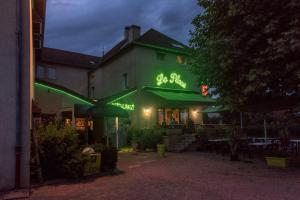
column 216, row 109
column 180, row 96
column 98, row 111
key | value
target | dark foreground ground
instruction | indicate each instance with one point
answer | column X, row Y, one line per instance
column 181, row 176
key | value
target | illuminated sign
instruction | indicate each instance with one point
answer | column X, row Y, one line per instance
column 174, row 78
column 123, row 105
column 204, row 90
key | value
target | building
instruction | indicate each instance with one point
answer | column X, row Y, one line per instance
column 16, row 94
column 61, row 86
column 65, row 68
column 149, row 76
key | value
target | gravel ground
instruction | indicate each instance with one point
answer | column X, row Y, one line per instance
column 181, row 176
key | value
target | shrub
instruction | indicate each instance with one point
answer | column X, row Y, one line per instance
column 146, row 139
column 59, row 152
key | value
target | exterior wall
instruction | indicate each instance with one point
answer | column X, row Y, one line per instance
column 59, row 102
column 108, row 80
column 149, row 67
column 73, row 78
column 8, row 93
column 142, row 68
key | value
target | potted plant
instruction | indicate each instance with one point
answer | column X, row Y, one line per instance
column 277, row 159
column 161, row 149
column 279, row 156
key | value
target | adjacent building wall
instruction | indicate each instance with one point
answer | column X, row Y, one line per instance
column 8, row 93
column 73, row 78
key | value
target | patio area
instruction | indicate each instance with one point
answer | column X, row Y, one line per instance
column 181, row 176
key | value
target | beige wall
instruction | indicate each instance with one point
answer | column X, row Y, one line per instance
column 73, row 78
column 109, row 79
column 142, row 66
column 8, row 66
column 59, row 102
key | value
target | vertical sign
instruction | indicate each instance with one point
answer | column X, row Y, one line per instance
column 204, row 90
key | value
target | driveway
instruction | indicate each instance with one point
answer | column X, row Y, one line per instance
column 181, row 176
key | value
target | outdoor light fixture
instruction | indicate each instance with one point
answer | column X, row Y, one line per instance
column 147, row 111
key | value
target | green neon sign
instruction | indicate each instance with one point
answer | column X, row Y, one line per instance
column 123, row 105
column 174, row 78
column 62, row 92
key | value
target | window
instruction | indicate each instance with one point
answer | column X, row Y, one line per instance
column 51, row 73
column 181, row 60
column 160, row 56
column 40, row 72
column 125, row 81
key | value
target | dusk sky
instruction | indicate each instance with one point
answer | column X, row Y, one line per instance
column 88, row 26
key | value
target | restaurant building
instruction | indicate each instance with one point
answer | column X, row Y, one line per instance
column 149, row 76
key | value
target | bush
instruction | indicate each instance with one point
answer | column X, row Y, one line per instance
column 59, row 152
column 146, row 139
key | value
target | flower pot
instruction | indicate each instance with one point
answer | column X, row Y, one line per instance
column 280, row 162
column 161, row 150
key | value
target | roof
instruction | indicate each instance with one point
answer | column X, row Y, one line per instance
column 153, row 37
column 68, row 58
column 150, row 39
column 65, row 91
column 117, row 96
column 180, row 96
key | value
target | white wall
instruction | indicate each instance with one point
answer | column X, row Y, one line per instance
column 8, row 57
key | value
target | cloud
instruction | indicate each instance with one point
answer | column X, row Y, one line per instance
column 88, row 26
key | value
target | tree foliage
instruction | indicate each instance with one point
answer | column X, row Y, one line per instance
column 248, row 49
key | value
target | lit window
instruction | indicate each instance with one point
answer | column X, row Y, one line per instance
column 40, row 72
column 51, row 73
column 181, row 60
column 160, row 56
column 125, row 81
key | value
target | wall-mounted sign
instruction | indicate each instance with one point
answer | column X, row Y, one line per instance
column 204, row 90
column 124, row 105
column 173, row 78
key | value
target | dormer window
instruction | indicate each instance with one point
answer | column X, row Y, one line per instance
column 181, row 60
column 160, row 56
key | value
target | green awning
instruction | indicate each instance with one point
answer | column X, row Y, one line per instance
column 216, row 109
column 181, row 96
column 98, row 111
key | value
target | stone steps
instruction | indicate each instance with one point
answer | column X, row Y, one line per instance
column 183, row 144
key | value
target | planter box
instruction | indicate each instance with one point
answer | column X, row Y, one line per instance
column 277, row 162
column 161, row 150
column 92, row 164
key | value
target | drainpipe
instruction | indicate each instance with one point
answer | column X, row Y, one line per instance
column 19, row 78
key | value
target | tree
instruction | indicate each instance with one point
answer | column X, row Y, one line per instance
column 249, row 50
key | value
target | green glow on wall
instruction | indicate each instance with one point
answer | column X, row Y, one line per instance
column 63, row 93
column 174, row 78
column 124, row 105
column 121, row 97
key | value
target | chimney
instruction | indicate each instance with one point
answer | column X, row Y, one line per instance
column 126, row 32
column 134, row 32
